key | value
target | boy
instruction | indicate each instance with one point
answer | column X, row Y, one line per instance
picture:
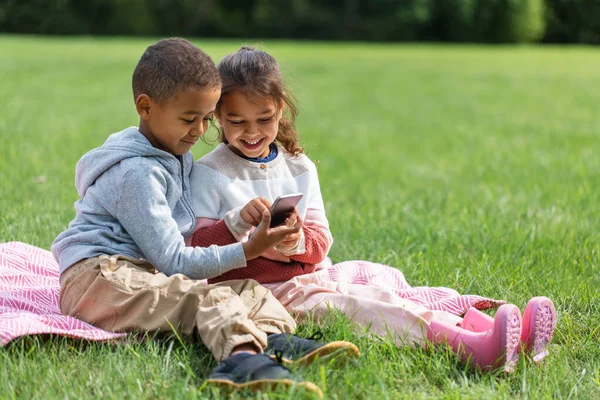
column 123, row 259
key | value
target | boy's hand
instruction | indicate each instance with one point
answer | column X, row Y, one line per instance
column 253, row 211
column 265, row 238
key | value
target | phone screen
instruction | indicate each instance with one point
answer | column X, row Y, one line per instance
column 282, row 207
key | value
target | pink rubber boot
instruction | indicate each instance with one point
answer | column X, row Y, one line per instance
column 477, row 321
column 494, row 348
column 539, row 321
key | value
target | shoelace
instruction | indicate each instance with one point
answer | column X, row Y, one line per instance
column 279, row 359
column 318, row 335
column 279, row 356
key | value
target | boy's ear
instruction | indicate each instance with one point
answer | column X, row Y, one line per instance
column 143, row 105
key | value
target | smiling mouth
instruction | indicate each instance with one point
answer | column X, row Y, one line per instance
column 189, row 141
column 251, row 145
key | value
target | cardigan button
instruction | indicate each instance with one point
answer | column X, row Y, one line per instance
column 263, row 166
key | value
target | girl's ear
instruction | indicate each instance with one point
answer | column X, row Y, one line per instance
column 144, row 105
column 280, row 111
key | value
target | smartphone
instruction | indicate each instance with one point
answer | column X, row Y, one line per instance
column 282, row 207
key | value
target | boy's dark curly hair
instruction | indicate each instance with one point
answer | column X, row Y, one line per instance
column 170, row 66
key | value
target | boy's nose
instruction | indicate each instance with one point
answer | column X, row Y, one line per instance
column 199, row 130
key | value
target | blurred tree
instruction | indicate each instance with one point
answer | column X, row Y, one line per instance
column 507, row 21
column 308, row 19
column 40, row 16
column 454, row 20
column 573, row 21
column 131, row 17
column 186, row 17
column 394, row 20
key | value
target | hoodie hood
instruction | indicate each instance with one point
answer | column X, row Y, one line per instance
column 118, row 147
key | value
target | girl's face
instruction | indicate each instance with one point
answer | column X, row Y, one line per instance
column 250, row 125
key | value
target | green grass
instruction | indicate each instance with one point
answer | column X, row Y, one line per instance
column 475, row 168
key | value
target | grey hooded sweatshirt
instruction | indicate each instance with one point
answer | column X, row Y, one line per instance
column 135, row 200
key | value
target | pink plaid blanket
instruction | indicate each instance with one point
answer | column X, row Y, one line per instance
column 29, row 293
column 29, row 297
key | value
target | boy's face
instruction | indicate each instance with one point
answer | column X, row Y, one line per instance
column 250, row 125
column 176, row 125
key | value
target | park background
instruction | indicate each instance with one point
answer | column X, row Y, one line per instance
column 495, row 21
column 455, row 140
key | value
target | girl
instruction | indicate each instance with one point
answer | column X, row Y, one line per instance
column 259, row 159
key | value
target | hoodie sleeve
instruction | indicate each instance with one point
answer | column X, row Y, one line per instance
column 143, row 211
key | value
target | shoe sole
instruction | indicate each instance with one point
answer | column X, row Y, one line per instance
column 540, row 317
column 265, row 385
column 329, row 350
column 510, row 337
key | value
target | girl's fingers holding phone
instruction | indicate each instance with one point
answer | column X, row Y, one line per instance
column 298, row 223
column 261, row 204
column 260, row 208
column 293, row 218
column 290, row 221
column 257, row 213
column 264, row 201
column 252, row 212
column 251, row 215
column 299, row 220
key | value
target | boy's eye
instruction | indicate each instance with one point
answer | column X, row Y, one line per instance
column 188, row 121
column 236, row 122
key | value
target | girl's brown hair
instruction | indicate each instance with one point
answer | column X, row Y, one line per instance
column 256, row 74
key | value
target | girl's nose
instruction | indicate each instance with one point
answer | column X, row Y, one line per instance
column 251, row 129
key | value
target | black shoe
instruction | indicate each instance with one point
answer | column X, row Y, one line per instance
column 255, row 372
column 294, row 349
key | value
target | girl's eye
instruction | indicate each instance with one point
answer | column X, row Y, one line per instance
column 189, row 121
column 208, row 118
column 264, row 120
column 236, row 122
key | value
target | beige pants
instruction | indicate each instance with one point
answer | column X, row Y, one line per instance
column 123, row 294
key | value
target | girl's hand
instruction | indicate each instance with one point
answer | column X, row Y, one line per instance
column 265, row 238
column 292, row 239
column 253, row 211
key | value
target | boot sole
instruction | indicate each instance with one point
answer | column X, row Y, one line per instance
column 510, row 338
column 329, row 350
column 540, row 318
column 265, row 385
